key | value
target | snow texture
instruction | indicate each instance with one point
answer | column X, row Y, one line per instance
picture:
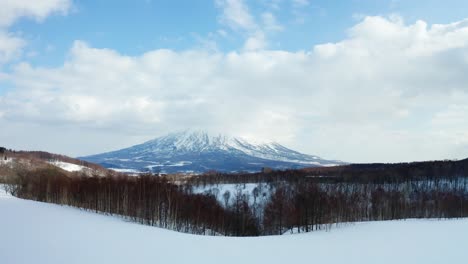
column 40, row 233
column 67, row 166
column 130, row 171
column 4, row 161
column 199, row 151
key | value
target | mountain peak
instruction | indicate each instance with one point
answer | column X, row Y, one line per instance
column 199, row 151
column 200, row 140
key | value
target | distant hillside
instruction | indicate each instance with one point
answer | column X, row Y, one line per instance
column 199, row 151
column 13, row 162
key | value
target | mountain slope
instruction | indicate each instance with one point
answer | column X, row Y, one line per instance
column 198, row 151
column 15, row 162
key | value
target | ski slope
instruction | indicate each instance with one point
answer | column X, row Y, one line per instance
column 36, row 233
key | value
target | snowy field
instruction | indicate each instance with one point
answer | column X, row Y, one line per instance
column 33, row 232
column 67, row 166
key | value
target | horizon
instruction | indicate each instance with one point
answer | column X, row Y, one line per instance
column 218, row 134
column 360, row 83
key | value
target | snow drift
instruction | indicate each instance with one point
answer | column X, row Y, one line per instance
column 33, row 232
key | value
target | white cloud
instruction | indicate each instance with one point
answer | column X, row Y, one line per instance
column 10, row 46
column 11, row 10
column 388, row 92
column 256, row 41
column 237, row 16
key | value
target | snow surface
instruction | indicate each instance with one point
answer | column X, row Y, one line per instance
column 200, row 151
column 40, row 233
column 7, row 161
column 198, row 140
column 125, row 170
column 67, row 166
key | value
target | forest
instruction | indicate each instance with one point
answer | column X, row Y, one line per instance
column 298, row 200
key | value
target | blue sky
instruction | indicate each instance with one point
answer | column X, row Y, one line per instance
column 133, row 27
column 355, row 80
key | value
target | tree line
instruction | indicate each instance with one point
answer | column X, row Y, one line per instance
column 309, row 206
column 299, row 200
column 145, row 199
column 352, row 173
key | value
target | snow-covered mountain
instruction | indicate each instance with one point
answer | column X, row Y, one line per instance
column 198, row 151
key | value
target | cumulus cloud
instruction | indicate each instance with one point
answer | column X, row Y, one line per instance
column 38, row 10
column 256, row 41
column 12, row 10
column 388, row 92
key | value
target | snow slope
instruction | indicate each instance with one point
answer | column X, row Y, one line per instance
column 39, row 233
column 199, row 151
column 67, row 166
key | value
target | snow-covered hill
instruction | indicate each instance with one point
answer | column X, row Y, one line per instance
column 34, row 232
column 198, row 151
column 14, row 162
column 68, row 166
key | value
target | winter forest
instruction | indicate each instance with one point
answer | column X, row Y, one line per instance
column 275, row 202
